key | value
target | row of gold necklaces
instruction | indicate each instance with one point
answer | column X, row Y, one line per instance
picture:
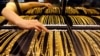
column 40, row 10
column 52, row 19
column 58, row 42
column 53, row 10
column 88, row 10
column 37, row 10
column 9, row 37
column 46, row 19
column 71, row 10
column 82, row 20
column 55, row 45
column 57, row 10
column 90, row 41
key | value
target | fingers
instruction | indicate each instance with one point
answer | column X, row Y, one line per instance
column 32, row 24
column 43, row 27
column 39, row 26
column 49, row 5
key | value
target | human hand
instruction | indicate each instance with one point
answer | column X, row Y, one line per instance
column 48, row 5
column 31, row 24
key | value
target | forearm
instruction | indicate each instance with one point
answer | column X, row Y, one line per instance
column 36, row 4
column 28, row 5
column 11, row 16
column 10, row 10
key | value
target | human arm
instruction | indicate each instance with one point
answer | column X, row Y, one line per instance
column 10, row 12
